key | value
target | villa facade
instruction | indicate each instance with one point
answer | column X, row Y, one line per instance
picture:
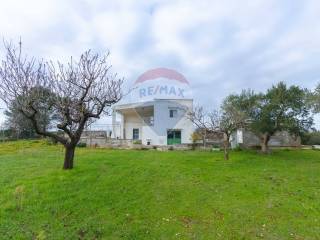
column 157, row 122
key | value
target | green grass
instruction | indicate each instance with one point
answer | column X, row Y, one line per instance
column 122, row 194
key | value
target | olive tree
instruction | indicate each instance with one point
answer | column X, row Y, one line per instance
column 20, row 125
column 281, row 108
column 314, row 99
column 80, row 92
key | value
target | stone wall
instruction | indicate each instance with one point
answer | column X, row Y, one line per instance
column 106, row 142
column 280, row 139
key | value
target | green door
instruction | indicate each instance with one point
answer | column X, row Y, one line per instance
column 173, row 137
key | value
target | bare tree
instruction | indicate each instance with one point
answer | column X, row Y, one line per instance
column 227, row 121
column 199, row 117
column 80, row 92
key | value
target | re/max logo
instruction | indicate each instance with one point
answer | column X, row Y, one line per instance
column 161, row 90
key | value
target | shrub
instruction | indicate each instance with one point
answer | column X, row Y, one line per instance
column 81, row 145
column 51, row 141
column 237, row 148
column 216, row 145
column 312, row 138
column 194, row 137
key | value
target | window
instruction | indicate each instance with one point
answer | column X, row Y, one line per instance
column 135, row 134
column 173, row 113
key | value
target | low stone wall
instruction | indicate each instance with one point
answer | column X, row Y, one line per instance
column 106, row 142
column 282, row 141
column 128, row 144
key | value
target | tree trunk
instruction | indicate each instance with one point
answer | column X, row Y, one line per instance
column 68, row 157
column 226, row 146
column 264, row 142
column 204, row 137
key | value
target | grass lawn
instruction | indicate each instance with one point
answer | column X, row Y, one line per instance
column 123, row 194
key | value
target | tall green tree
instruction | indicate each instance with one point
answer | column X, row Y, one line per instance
column 19, row 124
column 314, row 99
column 281, row 108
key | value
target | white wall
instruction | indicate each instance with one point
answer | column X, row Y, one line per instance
column 131, row 121
column 149, row 133
column 117, row 125
column 163, row 123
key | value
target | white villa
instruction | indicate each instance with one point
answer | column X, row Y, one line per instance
column 155, row 122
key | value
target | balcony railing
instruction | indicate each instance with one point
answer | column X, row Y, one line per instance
column 149, row 120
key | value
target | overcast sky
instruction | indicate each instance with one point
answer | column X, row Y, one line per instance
column 221, row 47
